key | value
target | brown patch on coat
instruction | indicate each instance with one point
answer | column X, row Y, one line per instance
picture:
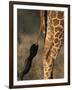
column 62, row 23
column 55, row 22
column 58, row 29
column 53, row 14
column 60, row 15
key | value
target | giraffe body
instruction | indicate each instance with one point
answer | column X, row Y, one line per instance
column 53, row 41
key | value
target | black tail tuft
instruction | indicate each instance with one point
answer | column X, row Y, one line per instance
column 33, row 52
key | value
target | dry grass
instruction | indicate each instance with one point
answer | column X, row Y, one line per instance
column 23, row 52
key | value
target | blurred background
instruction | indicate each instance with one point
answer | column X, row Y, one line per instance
column 28, row 25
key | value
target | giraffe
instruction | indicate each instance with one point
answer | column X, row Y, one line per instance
column 53, row 41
